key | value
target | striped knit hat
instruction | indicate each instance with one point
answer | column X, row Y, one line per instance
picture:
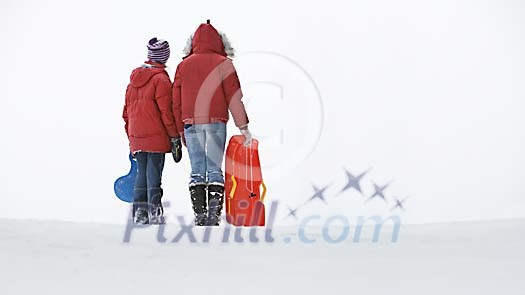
column 158, row 50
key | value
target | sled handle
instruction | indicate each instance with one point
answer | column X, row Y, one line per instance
column 264, row 191
column 234, row 187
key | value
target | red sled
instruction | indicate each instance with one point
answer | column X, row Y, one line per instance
column 243, row 183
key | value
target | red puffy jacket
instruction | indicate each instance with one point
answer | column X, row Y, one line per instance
column 206, row 85
column 147, row 112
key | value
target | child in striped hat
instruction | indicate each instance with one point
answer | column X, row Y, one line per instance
column 151, row 129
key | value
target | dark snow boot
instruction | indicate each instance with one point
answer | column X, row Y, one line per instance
column 140, row 202
column 215, row 202
column 141, row 216
column 156, row 212
column 198, row 200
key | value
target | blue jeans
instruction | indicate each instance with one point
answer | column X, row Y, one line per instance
column 205, row 143
column 148, row 181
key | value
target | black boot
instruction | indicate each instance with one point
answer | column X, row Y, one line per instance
column 140, row 207
column 215, row 202
column 156, row 212
column 141, row 216
column 198, row 200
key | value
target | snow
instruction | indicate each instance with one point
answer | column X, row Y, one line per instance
column 52, row 257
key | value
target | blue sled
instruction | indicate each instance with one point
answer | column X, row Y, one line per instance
column 124, row 185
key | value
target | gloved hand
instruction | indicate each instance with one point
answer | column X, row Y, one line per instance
column 247, row 136
column 176, row 149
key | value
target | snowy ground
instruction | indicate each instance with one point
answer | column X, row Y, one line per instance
column 46, row 257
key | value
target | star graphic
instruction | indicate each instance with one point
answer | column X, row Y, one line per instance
column 353, row 181
column 379, row 192
column 399, row 204
column 318, row 193
column 292, row 212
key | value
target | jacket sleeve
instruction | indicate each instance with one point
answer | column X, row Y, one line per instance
column 163, row 100
column 125, row 111
column 233, row 94
column 176, row 99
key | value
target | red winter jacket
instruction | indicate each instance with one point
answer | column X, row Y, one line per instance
column 206, row 83
column 147, row 112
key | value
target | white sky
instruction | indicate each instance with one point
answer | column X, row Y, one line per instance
column 428, row 93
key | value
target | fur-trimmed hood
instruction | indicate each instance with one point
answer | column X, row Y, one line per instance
column 207, row 39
